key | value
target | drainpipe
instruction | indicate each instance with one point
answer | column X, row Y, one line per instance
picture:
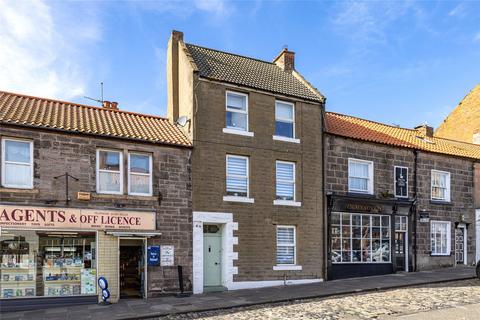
column 414, row 208
column 324, row 209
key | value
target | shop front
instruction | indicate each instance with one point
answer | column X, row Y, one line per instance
column 368, row 236
column 51, row 256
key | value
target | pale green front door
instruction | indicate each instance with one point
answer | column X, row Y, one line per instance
column 212, row 258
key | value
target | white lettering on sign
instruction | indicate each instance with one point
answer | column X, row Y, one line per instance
column 50, row 217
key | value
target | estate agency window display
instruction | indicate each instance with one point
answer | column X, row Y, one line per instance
column 360, row 238
column 47, row 263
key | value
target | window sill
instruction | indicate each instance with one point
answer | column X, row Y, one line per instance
column 280, row 138
column 19, row 190
column 360, row 194
column 123, row 197
column 238, row 199
column 440, row 255
column 287, row 268
column 449, row 203
column 287, row 203
column 238, row 132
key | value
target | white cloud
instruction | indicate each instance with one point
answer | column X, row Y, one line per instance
column 42, row 53
column 458, row 11
column 476, row 38
column 184, row 9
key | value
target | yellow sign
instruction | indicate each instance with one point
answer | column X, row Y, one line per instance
column 74, row 218
column 83, row 195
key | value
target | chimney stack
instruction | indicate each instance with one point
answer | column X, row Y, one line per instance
column 172, row 75
column 110, row 105
column 285, row 60
column 425, row 130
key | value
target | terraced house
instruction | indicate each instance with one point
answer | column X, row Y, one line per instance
column 89, row 192
column 398, row 199
column 256, row 166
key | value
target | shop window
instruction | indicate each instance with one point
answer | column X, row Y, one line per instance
column 401, row 182
column 139, row 174
column 284, row 119
column 237, row 111
column 286, row 242
column 237, row 176
column 17, row 163
column 360, row 238
column 285, row 180
column 440, row 236
column 47, row 263
column 109, row 172
column 360, row 176
column 440, row 185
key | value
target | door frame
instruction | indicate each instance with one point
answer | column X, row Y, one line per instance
column 465, row 239
column 145, row 269
column 225, row 221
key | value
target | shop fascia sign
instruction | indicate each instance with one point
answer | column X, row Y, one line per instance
column 74, row 218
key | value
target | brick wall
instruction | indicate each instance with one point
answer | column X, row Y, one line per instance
column 56, row 153
column 339, row 149
column 257, row 222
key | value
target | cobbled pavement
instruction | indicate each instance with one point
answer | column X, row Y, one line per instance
column 370, row 305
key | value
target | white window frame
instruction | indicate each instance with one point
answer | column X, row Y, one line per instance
column 289, row 266
column 370, row 176
column 234, row 130
column 280, row 202
column 231, row 198
column 4, row 184
column 282, row 138
column 395, row 181
column 447, row 191
column 150, row 174
column 98, row 171
column 449, row 237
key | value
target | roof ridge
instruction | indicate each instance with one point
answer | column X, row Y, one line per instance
column 233, row 54
column 409, row 129
column 372, row 121
column 82, row 105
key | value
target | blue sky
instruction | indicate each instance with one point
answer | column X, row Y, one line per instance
column 401, row 63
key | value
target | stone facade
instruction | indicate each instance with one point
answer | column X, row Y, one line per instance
column 56, row 153
column 250, row 227
column 463, row 123
column 384, row 157
column 257, row 221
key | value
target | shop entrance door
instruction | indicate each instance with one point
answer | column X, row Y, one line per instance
column 132, row 267
column 401, row 243
column 400, row 250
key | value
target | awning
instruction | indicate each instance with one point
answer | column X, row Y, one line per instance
column 133, row 233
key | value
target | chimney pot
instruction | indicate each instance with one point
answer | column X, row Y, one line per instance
column 114, row 105
column 285, row 60
column 106, row 104
column 425, row 130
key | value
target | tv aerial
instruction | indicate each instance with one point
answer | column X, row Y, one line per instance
column 101, row 94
